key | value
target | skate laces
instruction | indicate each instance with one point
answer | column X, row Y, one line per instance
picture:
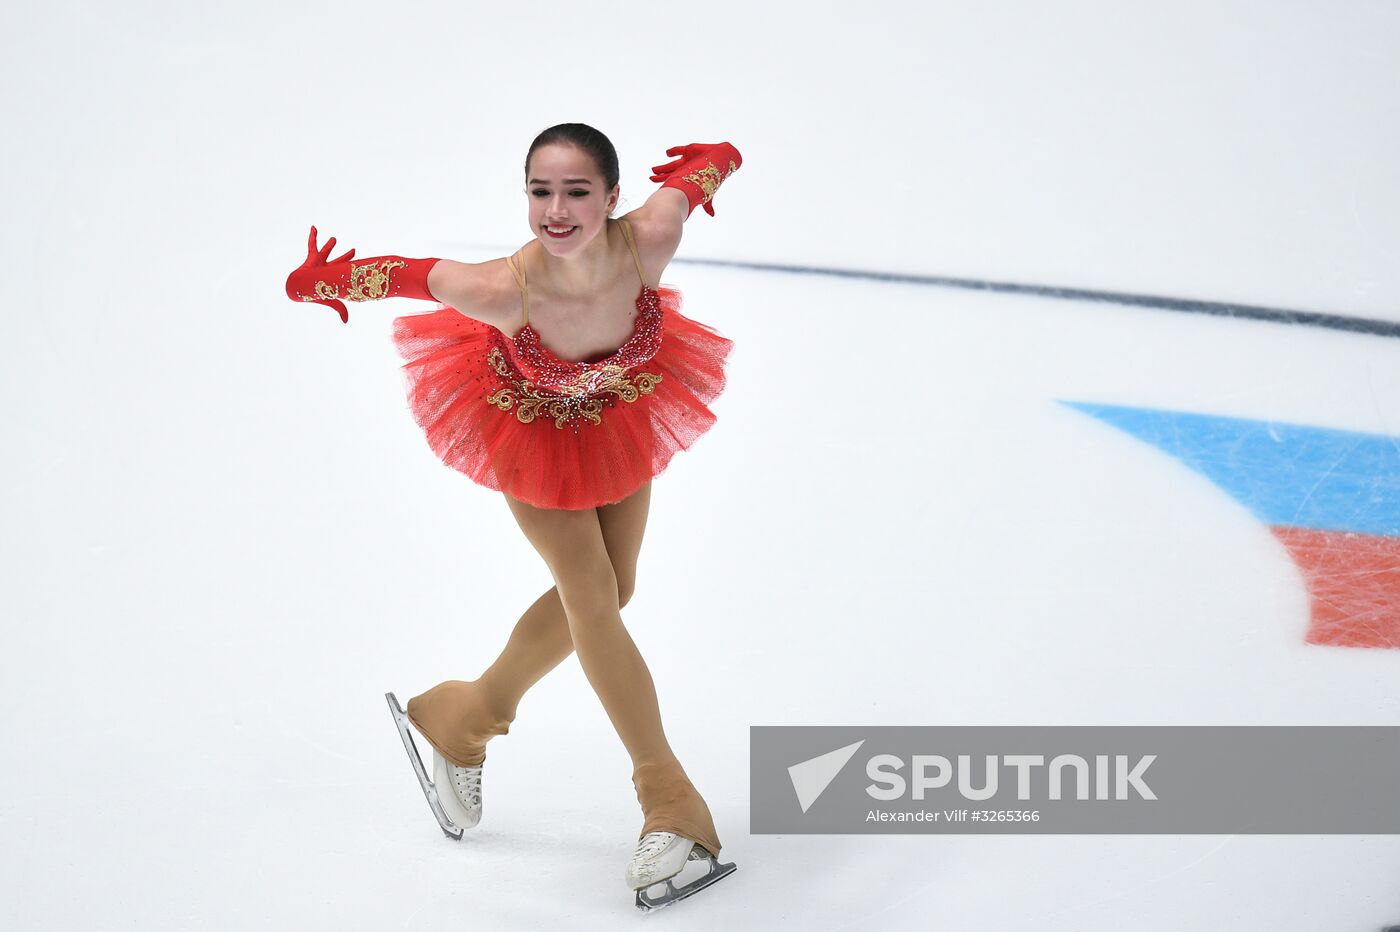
column 643, row 867
column 653, row 843
column 467, row 782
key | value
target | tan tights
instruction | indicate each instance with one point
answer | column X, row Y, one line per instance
column 592, row 556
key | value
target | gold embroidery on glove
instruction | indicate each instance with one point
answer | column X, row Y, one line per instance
column 709, row 178
column 368, row 282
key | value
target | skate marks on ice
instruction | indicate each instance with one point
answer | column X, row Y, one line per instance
column 1331, row 497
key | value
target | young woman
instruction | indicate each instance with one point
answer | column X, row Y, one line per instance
column 548, row 376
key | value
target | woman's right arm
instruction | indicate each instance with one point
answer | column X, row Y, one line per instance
column 471, row 288
column 474, row 289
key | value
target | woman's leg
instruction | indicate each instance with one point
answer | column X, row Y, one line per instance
column 571, row 543
column 541, row 639
column 458, row 717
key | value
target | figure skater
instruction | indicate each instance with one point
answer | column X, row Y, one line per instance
column 547, row 377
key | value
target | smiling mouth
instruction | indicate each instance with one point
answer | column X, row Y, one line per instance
column 559, row 233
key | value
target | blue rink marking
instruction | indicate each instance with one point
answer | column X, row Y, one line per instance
column 1292, row 475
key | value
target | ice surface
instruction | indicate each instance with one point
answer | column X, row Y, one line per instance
column 227, row 539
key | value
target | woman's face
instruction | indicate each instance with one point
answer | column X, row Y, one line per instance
column 564, row 189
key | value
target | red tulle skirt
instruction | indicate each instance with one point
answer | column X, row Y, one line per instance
column 453, row 380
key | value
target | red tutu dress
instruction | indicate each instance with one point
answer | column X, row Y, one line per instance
column 518, row 419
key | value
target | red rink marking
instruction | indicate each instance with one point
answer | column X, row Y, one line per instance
column 1354, row 582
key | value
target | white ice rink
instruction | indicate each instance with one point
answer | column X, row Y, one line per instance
column 226, row 539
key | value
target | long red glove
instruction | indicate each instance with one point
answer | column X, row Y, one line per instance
column 699, row 171
column 367, row 280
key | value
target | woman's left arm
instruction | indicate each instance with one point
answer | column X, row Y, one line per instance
column 689, row 181
column 697, row 172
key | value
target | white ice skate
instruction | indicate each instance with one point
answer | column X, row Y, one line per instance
column 458, row 806
column 661, row 856
column 463, row 804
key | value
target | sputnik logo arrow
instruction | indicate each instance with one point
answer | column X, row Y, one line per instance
column 810, row 778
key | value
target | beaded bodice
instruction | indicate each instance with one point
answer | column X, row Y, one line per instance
column 546, row 370
column 537, row 382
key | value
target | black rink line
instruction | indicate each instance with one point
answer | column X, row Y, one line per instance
column 1278, row 315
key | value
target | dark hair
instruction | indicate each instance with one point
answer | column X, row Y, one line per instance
column 585, row 138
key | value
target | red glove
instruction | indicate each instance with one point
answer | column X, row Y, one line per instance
column 695, row 172
column 367, row 280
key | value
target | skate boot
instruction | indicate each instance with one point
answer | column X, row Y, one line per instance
column 457, row 718
column 678, row 828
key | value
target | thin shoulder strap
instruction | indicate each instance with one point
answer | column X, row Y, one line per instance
column 627, row 232
column 520, row 280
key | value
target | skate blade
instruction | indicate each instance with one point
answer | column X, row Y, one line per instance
column 429, row 790
column 675, row 894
